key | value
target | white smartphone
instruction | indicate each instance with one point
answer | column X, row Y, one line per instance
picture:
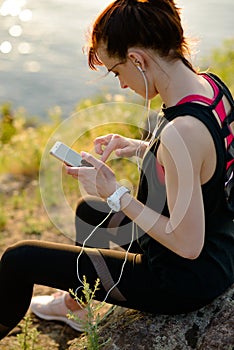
column 66, row 154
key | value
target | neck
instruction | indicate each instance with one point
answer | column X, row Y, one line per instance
column 174, row 80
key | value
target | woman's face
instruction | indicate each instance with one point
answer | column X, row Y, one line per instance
column 127, row 72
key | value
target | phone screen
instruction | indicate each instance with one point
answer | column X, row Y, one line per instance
column 66, row 154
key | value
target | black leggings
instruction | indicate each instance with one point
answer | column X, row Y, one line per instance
column 55, row 265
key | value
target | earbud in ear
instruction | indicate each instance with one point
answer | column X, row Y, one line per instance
column 139, row 68
column 138, row 65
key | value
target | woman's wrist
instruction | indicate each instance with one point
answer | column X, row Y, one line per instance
column 141, row 148
column 125, row 200
column 114, row 200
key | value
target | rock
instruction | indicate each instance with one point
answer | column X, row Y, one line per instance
column 211, row 327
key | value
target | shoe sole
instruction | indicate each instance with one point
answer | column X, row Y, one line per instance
column 73, row 325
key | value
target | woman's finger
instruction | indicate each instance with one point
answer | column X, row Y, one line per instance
column 101, row 141
column 110, row 147
column 97, row 164
column 74, row 171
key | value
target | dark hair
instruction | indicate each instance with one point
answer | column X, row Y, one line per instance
column 152, row 24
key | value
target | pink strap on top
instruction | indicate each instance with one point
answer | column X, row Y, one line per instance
column 220, row 106
column 220, row 110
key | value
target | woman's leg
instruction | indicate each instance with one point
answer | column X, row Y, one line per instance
column 34, row 262
column 116, row 230
column 29, row 263
column 125, row 280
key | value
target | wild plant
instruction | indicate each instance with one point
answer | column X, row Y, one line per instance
column 93, row 319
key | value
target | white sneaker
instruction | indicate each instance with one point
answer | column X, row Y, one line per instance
column 53, row 308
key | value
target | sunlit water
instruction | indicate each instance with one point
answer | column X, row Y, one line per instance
column 41, row 58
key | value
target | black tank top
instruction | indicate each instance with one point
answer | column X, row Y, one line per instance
column 213, row 271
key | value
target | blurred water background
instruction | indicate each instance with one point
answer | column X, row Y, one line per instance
column 41, row 59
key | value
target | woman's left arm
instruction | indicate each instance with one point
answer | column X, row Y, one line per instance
column 181, row 153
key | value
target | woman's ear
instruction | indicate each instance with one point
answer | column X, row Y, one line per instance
column 137, row 59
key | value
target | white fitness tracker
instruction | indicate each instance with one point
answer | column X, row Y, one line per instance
column 114, row 200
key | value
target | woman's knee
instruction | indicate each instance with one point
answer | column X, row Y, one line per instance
column 88, row 208
column 90, row 212
column 81, row 208
column 15, row 256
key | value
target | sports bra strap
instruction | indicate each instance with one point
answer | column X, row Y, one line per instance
column 215, row 103
column 222, row 86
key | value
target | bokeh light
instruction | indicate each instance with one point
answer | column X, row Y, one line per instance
column 15, row 30
column 11, row 8
column 5, row 47
column 25, row 15
column 24, row 48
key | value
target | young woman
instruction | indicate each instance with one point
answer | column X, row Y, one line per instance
column 184, row 255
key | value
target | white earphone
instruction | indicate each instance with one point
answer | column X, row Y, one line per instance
column 138, row 65
column 140, row 69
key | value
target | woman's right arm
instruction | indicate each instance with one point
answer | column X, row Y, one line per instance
column 123, row 146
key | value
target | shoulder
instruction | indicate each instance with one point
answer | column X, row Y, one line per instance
column 186, row 128
column 188, row 135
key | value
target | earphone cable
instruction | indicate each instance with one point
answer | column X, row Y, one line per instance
column 83, row 246
column 147, row 112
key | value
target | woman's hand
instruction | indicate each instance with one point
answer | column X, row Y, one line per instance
column 98, row 180
column 123, row 146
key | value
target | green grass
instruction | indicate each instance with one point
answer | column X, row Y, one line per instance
column 221, row 62
column 91, row 341
column 27, row 339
